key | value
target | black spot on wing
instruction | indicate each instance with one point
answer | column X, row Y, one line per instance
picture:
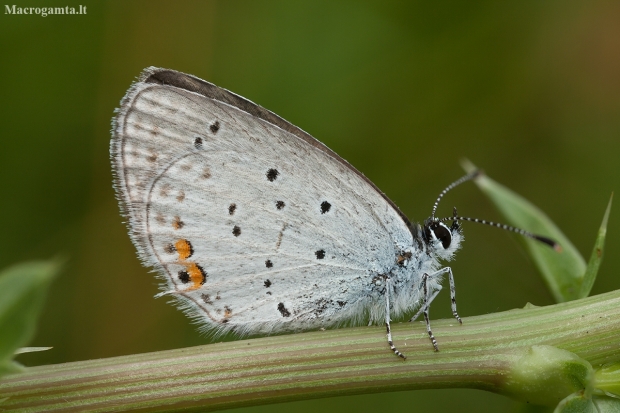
column 325, row 207
column 184, row 277
column 206, row 298
column 283, row 310
column 215, row 127
column 169, row 248
column 272, row 174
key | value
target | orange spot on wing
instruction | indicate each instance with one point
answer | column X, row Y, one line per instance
column 184, row 248
column 177, row 223
column 196, row 275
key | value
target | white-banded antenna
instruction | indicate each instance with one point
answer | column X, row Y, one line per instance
column 469, row 177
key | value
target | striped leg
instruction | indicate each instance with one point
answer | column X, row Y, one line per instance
column 453, row 295
column 430, row 296
column 422, row 307
column 426, row 307
column 387, row 320
column 439, row 273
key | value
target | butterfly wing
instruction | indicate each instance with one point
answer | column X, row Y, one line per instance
column 254, row 226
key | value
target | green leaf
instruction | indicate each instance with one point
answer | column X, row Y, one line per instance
column 580, row 403
column 576, row 403
column 597, row 255
column 563, row 272
column 22, row 292
column 23, row 350
column 606, row 404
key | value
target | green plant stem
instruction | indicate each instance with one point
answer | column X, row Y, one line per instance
column 479, row 354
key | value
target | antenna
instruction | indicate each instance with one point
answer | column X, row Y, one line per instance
column 520, row 231
column 455, row 217
column 459, row 181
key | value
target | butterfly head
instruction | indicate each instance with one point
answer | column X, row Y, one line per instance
column 442, row 239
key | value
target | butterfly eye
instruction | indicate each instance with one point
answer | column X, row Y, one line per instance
column 442, row 233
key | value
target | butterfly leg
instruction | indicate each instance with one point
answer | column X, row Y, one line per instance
column 453, row 295
column 423, row 306
column 387, row 320
column 426, row 307
column 429, row 297
column 441, row 272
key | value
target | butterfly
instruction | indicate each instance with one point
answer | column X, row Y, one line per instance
column 255, row 227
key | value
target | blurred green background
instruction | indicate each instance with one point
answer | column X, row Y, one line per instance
column 529, row 91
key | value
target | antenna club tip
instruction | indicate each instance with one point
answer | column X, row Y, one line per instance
column 549, row 242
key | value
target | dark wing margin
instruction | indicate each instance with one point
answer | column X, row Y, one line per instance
column 209, row 90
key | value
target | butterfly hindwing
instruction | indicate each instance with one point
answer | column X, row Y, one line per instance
column 252, row 228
